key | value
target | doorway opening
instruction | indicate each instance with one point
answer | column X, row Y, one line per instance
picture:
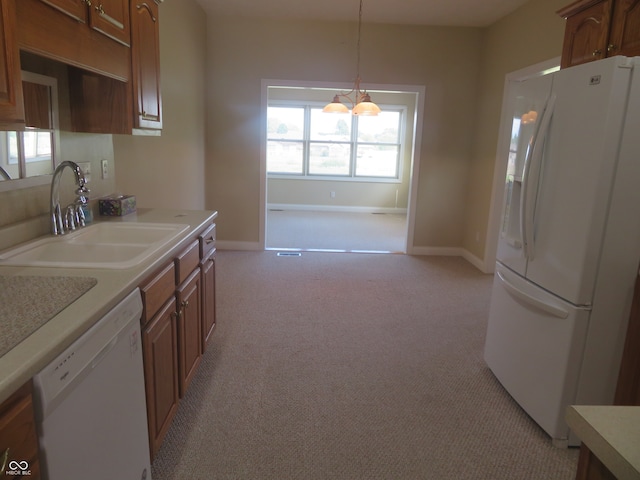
column 336, row 182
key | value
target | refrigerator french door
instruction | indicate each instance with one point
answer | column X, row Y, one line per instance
column 569, row 243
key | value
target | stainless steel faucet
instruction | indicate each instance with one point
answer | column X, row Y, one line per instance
column 73, row 215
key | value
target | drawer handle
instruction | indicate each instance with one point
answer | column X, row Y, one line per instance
column 596, row 53
column 5, row 457
column 100, row 9
column 210, row 240
column 87, row 2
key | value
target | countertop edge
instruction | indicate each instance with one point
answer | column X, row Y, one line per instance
column 27, row 358
column 605, row 430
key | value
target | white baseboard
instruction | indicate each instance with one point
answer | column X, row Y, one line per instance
column 427, row 251
column 334, row 208
column 452, row 252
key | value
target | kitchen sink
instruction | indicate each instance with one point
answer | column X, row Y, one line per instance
column 101, row 245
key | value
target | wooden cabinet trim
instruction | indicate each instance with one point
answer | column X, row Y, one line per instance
column 48, row 32
column 208, row 298
column 11, row 98
column 18, row 429
column 160, row 353
column 189, row 299
column 145, row 65
column 187, row 261
column 156, row 291
column 207, row 241
column 576, row 7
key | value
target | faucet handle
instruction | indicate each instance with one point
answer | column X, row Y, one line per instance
column 70, row 217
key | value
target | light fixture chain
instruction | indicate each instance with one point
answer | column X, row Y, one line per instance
column 358, row 44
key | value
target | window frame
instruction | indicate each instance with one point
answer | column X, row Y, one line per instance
column 353, row 143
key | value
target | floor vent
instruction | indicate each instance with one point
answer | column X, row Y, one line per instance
column 289, row 254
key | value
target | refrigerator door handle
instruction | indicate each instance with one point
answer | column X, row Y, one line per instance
column 537, row 303
column 530, row 177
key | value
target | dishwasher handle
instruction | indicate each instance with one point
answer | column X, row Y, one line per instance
column 104, row 352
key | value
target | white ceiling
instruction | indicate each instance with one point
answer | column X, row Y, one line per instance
column 478, row 13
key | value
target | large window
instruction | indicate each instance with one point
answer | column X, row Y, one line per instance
column 304, row 141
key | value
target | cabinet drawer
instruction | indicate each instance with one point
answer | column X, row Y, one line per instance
column 207, row 241
column 187, row 261
column 156, row 291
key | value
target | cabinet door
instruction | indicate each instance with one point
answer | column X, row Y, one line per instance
column 11, row 101
column 586, row 34
column 189, row 299
column 145, row 60
column 208, row 298
column 76, row 9
column 111, row 17
column 18, row 438
column 160, row 348
column 625, row 28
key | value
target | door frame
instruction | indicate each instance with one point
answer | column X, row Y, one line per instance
column 418, row 90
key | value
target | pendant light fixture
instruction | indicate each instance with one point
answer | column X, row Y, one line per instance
column 361, row 103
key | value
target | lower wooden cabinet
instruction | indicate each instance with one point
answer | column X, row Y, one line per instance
column 178, row 317
column 160, row 350
column 18, row 437
column 208, row 298
column 189, row 328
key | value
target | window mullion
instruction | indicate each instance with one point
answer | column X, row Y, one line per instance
column 354, row 146
column 306, row 139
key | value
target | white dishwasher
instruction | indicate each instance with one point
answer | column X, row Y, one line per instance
column 90, row 403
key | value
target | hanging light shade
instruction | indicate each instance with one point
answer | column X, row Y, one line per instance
column 366, row 106
column 361, row 103
column 335, row 106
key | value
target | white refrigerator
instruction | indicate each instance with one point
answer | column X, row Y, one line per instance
column 569, row 243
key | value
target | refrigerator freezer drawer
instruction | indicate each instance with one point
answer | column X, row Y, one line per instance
column 534, row 346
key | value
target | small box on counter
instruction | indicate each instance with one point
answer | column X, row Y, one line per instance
column 117, row 206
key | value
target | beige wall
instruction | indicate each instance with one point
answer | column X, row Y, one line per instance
column 165, row 171
column 168, row 171
column 242, row 52
column 193, row 165
column 532, row 34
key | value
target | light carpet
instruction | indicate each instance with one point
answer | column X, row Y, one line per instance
column 352, row 366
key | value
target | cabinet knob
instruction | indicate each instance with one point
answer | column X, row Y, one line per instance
column 86, row 2
column 596, row 53
column 611, row 47
column 185, row 304
column 100, row 9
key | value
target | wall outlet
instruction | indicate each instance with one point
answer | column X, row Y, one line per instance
column 105, row 169
column 86, row 169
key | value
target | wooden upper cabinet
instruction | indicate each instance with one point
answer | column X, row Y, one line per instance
column 586, row 33
column 597, row 29
column 145, row 61
column 109, row 17
column 625, row 28
column 76, row 9
column 11, row 100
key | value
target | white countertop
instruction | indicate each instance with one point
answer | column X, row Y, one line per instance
column 20, row 363
column 612, row 433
